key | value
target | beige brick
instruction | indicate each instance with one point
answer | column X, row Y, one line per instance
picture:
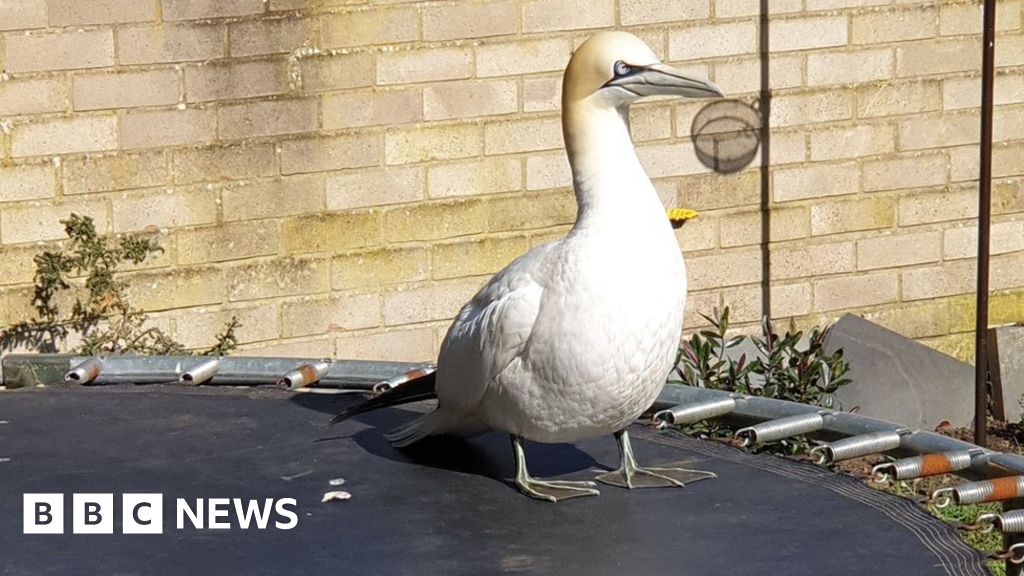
column 125, row 89
column 896, row 25
column 39, row 222
column 1007, row 271
column 966, row 92
column 470, row 20
column 699, row 234
column 937, row 57
column 405, row 345
column 334, row 153
column 22, row 14
column 164, row 209
column 852, row 215
column 78, row 13
column 203, row 9
column 476, row 257
column 650, row 123
column 744, row 75
column 371, row 26
column 429, row 65
column 436, row 220
column 522, row 57
column 64, row 136
column 787, row 148
column 789, row 223
column 542, row 94
column 923, row 208
column 550, row 15
column 114, row 172
column 332, row 232
column 1008, row 124
column 467, row 99
column 790, row 300
column 957, row 19
column 17, row 265
column 660, row 160
column 698, row 303
column 383, row 108
column 335, row 314
column 811, row 107
column 713, row 191
column 277, row 277
column 229, row 241
column 180, row 288
column 295, row 348
column 337, row 72
column 937, row 281
column 835, row 4
column 853, row 142
column 427, row 302
column 812, row 260
column 805, row 33
column 899, row 250
column 168, row 43
column 815, row 181
column 528, row 135
column 633, row 12
column 288, row 196
column 919, row 132
column 962, row 241
column 739, row 228
column 363, row 188
column 855, row 291
column 277, row 36
column 27, row 182
column 223, row 163
column 59, row 51
column 380, row 267
column 849, row 67
column 921, row 319
column 151, row 129
column 737, row 8
column 723, row 269
column 267, row 118
column 198, row 328
column 898, row 98
column 548, row 171
column 1007, row 196
column 1005, row 161
column 712, row 40
column 907, row 172
column 474, row 177
column 227, row 81
column 33, row 96
column 404, row 146
column 1011, row 51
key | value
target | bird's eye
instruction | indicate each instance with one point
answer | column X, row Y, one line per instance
column 621, row 68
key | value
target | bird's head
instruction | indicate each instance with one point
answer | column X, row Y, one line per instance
column 617, row 68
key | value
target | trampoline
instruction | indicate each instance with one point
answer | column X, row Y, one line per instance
column 444, row 507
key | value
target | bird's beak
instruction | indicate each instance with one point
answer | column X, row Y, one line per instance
column 662, row 80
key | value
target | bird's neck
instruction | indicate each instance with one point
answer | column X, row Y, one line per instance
column 612, row 189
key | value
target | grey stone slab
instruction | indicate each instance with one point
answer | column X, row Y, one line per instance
column 897, row 379
column 1008, row 370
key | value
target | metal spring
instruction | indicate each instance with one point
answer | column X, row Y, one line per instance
column 85, row 372
column 305, row 375
column 201, row 372
column 780, row 428
column 381, row 387
column 924, row 465
column 994, row 490
column 1009, row 521
column 682, row 414
column 857, row 446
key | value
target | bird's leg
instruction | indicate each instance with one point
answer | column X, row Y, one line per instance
column 550, row 490
column 629, row 475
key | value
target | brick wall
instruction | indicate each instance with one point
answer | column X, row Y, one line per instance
column 342, row 177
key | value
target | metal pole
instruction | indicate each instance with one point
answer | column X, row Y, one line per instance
column 984, row 222
column 766, row 140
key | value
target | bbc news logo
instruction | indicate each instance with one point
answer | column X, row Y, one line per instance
column 144, row 513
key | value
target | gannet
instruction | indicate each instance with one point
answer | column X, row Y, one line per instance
column 575, row 338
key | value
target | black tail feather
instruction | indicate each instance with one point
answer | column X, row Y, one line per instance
column 421, row 388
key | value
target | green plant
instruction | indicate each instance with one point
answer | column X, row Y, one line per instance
column 786, row 366
column 77, row 291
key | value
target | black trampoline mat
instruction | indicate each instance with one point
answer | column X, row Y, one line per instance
column 444, row 507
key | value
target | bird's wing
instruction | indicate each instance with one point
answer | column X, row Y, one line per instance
column 491, row 330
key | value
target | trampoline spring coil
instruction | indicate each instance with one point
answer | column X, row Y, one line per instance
column 683, row 414
column 1009, row 521
column 305, row 375
column 994, row 490
column 924, row 465
column 857, row 446
column 780, row 428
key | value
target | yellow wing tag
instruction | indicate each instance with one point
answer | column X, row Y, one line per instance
column 679, row 216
